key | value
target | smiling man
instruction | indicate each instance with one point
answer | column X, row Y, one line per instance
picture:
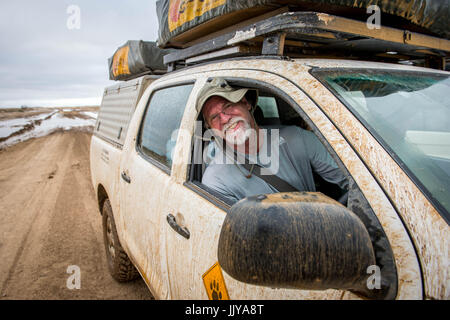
column 228, row 113
column 294, row 153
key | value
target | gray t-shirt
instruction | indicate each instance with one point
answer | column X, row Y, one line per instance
column 299, row 153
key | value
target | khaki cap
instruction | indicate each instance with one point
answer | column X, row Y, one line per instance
column 219, row 87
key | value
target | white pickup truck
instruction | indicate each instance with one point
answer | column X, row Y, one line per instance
column 387, row 127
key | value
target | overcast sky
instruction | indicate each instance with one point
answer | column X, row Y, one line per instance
column 45, row 60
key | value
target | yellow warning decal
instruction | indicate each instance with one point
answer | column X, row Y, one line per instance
column 120, row 62
column 182, row 11
column 215, row 284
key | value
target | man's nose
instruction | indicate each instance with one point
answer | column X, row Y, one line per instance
column 224, row 118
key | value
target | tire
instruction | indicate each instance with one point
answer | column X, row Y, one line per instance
column 119, row 264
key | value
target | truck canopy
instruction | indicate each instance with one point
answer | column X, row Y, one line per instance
column 118, row 105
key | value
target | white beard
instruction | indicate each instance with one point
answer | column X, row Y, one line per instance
column 238, row 136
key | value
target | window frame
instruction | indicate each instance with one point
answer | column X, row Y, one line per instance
column 279, row 94
column 138, row 145
column 384, row 251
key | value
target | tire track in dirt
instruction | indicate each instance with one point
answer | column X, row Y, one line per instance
column 19, row 206
column 17, row 164
column 39, row 206
column 54, row 222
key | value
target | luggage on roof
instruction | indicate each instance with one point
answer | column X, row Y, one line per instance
column 314, row 34
column 136, row 58
column 183, row 21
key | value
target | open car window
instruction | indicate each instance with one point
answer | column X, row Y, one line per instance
column 272, row 113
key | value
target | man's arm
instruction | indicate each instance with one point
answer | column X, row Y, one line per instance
column 211, row 179
column 322, row 162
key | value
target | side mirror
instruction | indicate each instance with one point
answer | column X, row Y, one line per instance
column 302, row 240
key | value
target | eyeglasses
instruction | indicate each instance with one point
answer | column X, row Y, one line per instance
column 228, row 110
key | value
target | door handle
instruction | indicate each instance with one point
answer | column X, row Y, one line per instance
column 125, row 177
column 175, row 226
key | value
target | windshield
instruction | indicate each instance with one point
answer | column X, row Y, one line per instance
column 410, row 112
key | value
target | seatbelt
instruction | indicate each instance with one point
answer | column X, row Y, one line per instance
column 272, row 179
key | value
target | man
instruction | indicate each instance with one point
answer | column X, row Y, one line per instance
column 294, row 152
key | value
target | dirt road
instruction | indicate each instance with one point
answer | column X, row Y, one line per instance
column 49, row 221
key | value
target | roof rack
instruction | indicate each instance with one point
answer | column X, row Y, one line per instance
column 315, row 34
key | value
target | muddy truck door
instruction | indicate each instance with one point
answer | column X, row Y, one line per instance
column 145, row 173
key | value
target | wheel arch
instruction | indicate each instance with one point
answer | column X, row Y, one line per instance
column 102, row 195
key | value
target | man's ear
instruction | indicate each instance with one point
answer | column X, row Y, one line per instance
column 205, row 123
column 249, row 106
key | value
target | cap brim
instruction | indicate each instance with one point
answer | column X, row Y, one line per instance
column 232, row 96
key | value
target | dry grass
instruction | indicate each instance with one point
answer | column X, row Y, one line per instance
column 13, row 113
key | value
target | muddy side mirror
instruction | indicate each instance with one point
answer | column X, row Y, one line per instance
column 302, row 240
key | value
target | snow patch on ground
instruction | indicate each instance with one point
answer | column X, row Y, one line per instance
column 7, row 127
column 90, row 114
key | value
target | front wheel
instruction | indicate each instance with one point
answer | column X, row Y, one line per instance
column 119, row 264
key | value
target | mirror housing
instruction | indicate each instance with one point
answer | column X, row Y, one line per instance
column 302, row 240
